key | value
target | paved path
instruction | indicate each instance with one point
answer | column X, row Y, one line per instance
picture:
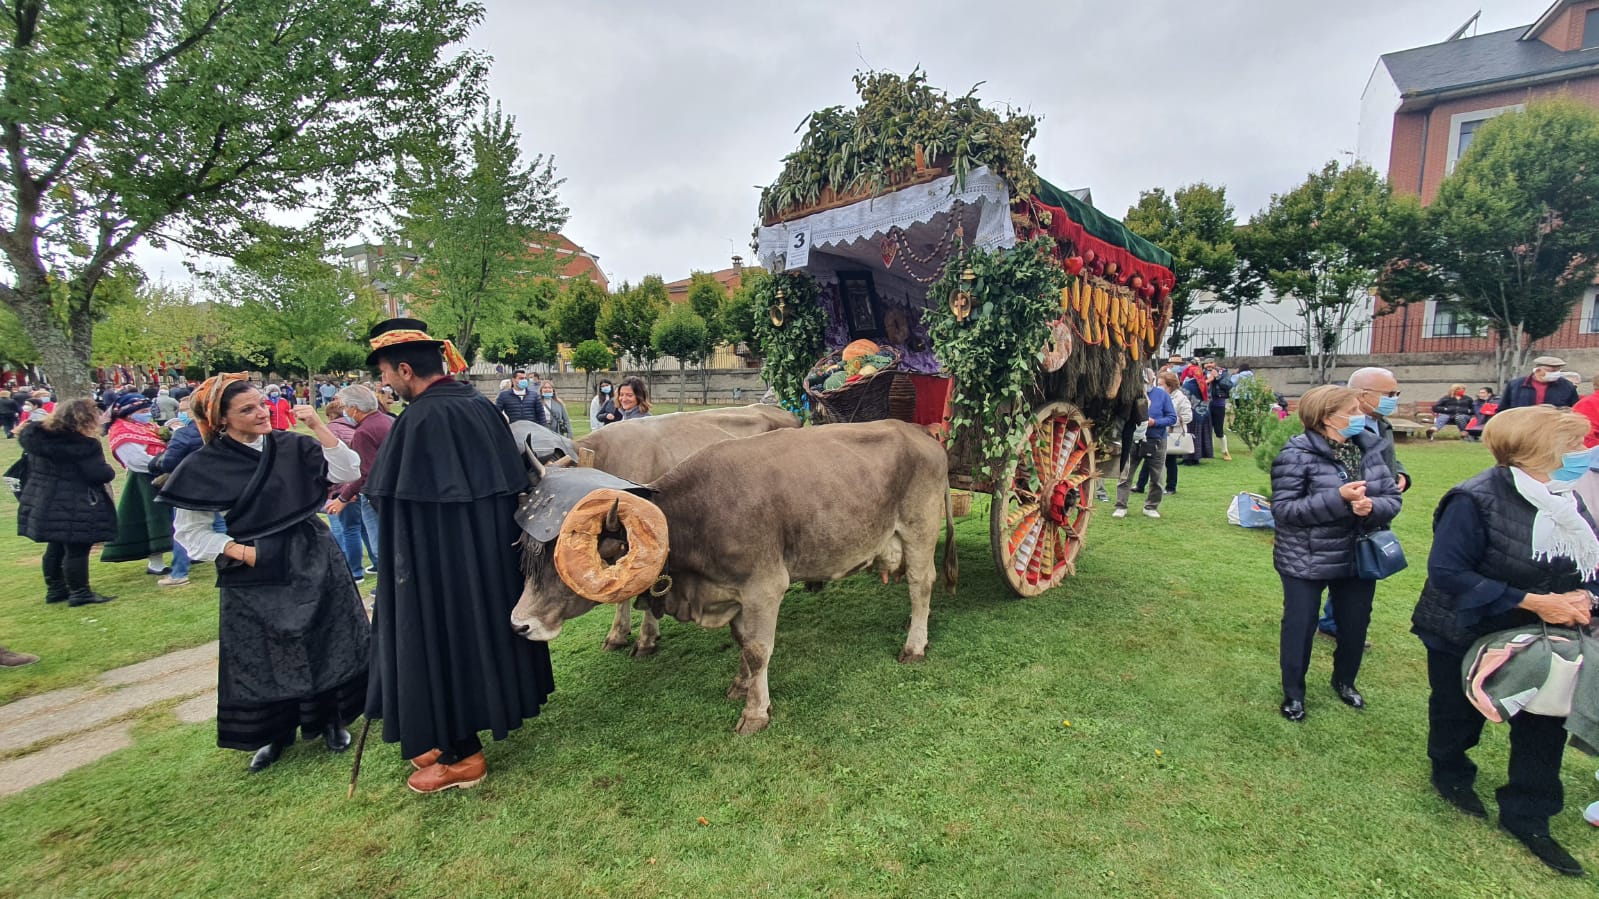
column 43, row 737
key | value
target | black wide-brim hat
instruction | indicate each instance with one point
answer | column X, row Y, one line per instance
column 398, row 324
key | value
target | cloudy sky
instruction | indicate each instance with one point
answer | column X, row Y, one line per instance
column 664, row 116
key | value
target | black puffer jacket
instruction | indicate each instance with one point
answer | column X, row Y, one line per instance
column 1316, row 528
column 65, row 499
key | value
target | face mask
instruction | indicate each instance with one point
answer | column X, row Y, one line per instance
column 272, row 394
column 1357, row 423
column 1549, row 377
column 605, row 390
column 548, row 394
column 184, row 417
column 1388, row 405
column 142, row 418
column 346, row 417
column 1573, row 466
column 522, row 384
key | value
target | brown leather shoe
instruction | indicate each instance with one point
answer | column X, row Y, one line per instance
column 436, row 778
column 431, row 757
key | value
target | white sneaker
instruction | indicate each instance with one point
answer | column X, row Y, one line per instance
column 1119, row 513
column 1151, row 513
column 172, row 581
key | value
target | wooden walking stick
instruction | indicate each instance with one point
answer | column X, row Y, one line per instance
column 360, row 747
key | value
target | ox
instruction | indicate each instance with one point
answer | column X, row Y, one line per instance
column 643, row 449
column 746, row 518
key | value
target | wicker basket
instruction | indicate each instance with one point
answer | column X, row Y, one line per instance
column 960, row 502
column 875, row 397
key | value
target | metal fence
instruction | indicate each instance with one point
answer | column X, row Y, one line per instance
column 1278, row 340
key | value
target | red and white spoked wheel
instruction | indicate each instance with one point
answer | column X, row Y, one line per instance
column 1043, row 500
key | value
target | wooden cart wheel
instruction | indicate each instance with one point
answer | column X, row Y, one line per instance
column 1043, row 500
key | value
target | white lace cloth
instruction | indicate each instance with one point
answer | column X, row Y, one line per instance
column 871, row 219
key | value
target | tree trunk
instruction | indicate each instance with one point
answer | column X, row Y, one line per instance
column 63, row 358
column 682, row 384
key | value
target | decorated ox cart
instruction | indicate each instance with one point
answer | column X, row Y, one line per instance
column 921, row 270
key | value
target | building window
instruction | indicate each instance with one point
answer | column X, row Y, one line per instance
column 1463, row 127
column 1590, row 30
column 1589, row 322
column 1447, row 321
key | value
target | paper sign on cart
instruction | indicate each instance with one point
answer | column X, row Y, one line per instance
column 799, row 248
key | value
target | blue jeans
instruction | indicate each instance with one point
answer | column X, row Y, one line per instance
column 348, row 534
column 369, row 522
column 180, row 556
column 1326, row 623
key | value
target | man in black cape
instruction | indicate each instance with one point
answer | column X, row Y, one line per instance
column 445, row 662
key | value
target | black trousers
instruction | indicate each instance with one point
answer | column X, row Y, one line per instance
column 1534, row 794
column 463, row 747
column 1351, row 599
column 69, row 562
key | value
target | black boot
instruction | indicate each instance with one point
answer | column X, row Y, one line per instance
column 55, row 589
column 83, row 596
column 336, row 738
column 266, row 755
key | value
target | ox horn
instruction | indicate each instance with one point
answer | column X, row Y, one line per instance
column 613, row 522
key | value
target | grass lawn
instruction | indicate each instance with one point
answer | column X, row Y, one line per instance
column 1117, row 737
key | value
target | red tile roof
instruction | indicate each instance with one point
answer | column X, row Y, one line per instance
column 574, row 261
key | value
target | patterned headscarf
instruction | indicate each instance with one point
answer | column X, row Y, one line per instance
column 206, row 403
column 453, row 360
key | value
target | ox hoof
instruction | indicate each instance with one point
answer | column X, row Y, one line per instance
column 906, row 656
column 611, row 645
column 644, row 649
column 751, row 724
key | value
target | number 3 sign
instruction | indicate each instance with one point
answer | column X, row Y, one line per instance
column 799, row 248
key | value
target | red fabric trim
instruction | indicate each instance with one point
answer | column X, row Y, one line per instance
column 1061, row 227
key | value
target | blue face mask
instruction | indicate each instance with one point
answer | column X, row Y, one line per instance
column 142, row 418
column 1573, row 466
column 605, row 390
column 522, row 384
column 184, row 417
column 1388, row 405
column 1357, row 423
column 548, row 394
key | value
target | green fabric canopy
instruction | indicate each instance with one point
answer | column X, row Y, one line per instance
column 1101, row 225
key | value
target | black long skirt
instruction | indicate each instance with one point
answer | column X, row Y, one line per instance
column 293, row 655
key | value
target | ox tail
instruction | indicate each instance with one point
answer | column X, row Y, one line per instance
column 951, row 563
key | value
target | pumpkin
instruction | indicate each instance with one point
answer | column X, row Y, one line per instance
column 860, row 348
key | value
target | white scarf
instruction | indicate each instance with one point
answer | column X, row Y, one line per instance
column 1558, row 529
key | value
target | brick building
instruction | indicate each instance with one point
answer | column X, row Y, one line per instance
column 1419, row 112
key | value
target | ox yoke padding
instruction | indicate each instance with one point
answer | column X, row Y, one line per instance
column 542, row 512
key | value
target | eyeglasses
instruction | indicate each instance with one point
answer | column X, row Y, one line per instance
column 1392, row 393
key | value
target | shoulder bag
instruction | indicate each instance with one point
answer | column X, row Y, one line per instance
column 1378, row 555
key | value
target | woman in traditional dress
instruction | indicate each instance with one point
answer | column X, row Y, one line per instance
column 143, row 530
column 293, row 631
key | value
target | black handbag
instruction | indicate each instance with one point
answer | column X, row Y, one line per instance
column 1378, row 555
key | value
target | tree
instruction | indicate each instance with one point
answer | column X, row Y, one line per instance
column 156, row 325
column 627, row 319
column 16, row 349
column 521, row 343
column 297, row 309
column 738, row 315
column 193, row 122
column 575, row 312
column 591, row 356
column 1511, row 238
column 681, row 333
column 482, row 221
column 1322, row 246
column 1197, row 226
column 707, row 297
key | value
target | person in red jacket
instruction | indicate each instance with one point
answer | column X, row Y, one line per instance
column 1588, row 407
column 282, row 410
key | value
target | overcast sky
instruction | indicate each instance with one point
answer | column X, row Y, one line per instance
column 664, row 116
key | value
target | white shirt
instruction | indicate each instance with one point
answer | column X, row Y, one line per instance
column 135, row 457
column 192, row 529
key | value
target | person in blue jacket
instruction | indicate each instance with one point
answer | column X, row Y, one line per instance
column 519, row 402
column 185, row 440
column 1162, row 416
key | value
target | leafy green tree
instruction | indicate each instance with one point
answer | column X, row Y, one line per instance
column 1196, row 225
column 627, row 320
column 709, row 300
column 1322, row 245
column 297, row 309
column 738, row 315
column 575, row 312
column 16, row 349
column 194, row 121
column 1511, row 237
column 476, row 211
column 521, row 343
column 591, row 356
column 348, row 356
column 1250, row 405
column 160, row 323
column 681, row 333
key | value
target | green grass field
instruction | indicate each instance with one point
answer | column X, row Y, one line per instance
column 1117, row 737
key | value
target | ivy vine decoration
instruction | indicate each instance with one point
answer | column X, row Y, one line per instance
column 789, row 349
column 994, row 352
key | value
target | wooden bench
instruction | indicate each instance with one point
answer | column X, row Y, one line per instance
column 1407, row 428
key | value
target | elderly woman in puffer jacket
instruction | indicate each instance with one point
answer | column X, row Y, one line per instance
column 1329, row 485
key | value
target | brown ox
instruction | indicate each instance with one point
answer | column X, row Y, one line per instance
column 642, row 449
column 747, row 518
